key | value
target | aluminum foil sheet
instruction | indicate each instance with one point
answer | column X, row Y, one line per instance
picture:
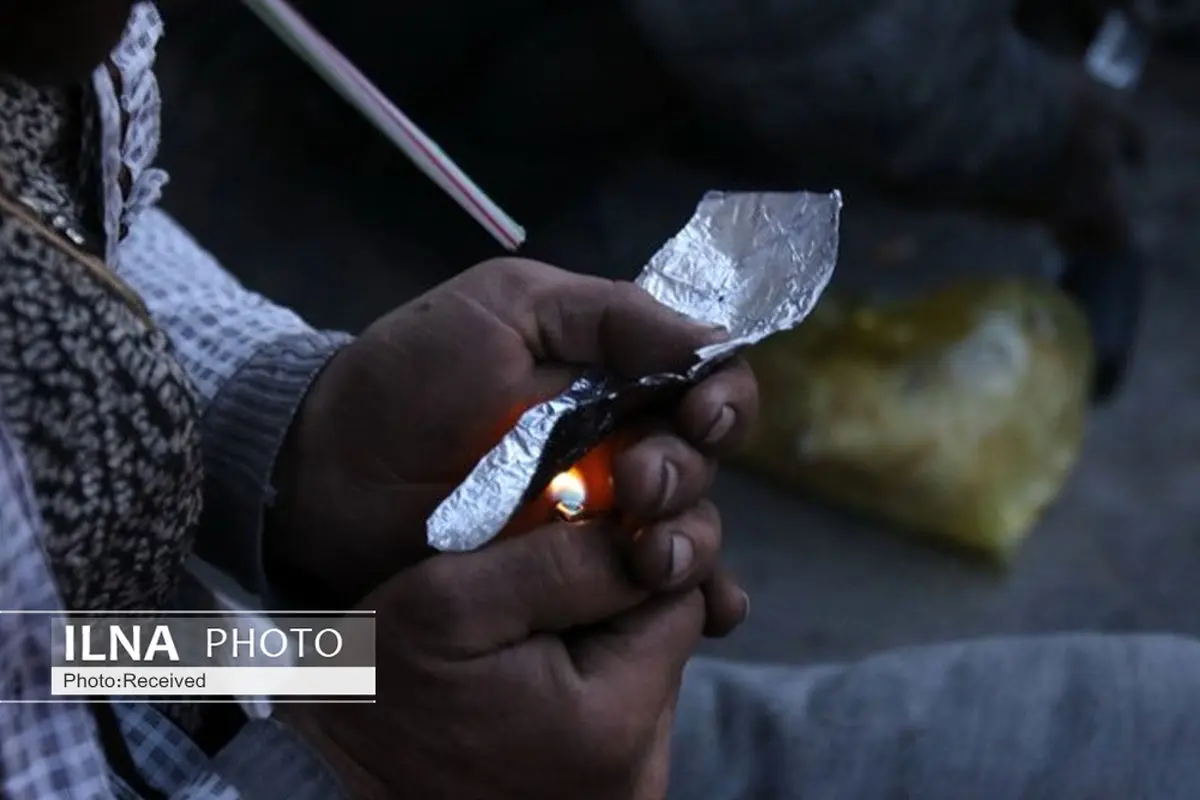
column 752, row 263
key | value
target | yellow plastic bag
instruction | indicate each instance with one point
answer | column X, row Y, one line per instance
column 957, row 415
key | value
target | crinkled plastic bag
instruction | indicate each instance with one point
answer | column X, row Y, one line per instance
column 958, row 415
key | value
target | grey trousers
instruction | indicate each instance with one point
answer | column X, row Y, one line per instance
column 1064, row 717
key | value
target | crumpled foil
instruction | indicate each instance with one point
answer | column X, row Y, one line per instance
column 752, row 263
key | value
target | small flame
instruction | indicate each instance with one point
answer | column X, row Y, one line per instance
column 568, row 492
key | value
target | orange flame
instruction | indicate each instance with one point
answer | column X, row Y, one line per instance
column 568, row 492
column 582, row 492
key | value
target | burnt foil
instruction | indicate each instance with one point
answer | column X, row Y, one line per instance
column 752, row 263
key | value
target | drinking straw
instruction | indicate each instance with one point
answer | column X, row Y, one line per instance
column 346, row 79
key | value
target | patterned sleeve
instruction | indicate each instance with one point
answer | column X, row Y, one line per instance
column 251, row 362
column 53, row 749
column 264, row 760
column 45, row 750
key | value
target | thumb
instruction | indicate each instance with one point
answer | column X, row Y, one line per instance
column 620, row 326
column 552, row 579
column 589, row 321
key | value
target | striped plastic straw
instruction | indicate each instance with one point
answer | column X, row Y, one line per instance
column 352, row 85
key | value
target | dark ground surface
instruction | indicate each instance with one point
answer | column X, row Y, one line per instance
column 1119, row 551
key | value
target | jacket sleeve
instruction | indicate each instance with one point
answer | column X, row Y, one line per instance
column 49, row 750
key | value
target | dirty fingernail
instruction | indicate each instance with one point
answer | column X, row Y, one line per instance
column 721, row 426
column 682, row 554
column 670, row 481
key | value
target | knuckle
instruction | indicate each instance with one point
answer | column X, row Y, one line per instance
column 514, row 279
column 693, row 612
column 500, row 267
column 709, row 514
column 626, row 305
column 686, row 614
column 702, row 522
column 628, row 294
column 484, row 274
column 692, row 605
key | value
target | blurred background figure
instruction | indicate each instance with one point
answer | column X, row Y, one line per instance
column 936, row 102
column 598, row 127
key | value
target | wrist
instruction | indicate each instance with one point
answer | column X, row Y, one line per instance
column 280, row 535
column 291, row 571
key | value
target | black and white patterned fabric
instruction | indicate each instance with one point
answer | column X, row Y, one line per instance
column 112, row 431
column 105, row 413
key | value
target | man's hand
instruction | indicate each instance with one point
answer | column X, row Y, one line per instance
column 399, row 418
column 533, row 668
column 1105, row 268
column 1086, row 209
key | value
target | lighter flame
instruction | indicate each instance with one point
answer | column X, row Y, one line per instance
column 569, row 493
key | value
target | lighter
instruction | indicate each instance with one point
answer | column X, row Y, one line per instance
column 581, row 493
column 751, row 263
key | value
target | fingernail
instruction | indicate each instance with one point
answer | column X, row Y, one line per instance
column 745, row 606
column 682, row 554
column 670, row 481
column 721, row 426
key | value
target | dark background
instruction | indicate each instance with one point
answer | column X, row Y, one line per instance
column 309, row 206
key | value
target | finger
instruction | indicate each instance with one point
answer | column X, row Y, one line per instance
column 717, row 414
column 642, row 652
column 552, row 579
column 726, row 604
column 585, row 320
column 678, row 553
column 659, row 476
column 616, row 325
column 550, row 380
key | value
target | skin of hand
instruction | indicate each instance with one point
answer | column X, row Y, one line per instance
column 534, row 668
column 415, row 365
column 1086, row 208
column 1090, row 218
column 399, row 417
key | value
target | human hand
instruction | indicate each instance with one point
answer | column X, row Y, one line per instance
column 1105, row 267
column 1077, row 195
column 398, row 419
column 534, row 668
column 1084, row 205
